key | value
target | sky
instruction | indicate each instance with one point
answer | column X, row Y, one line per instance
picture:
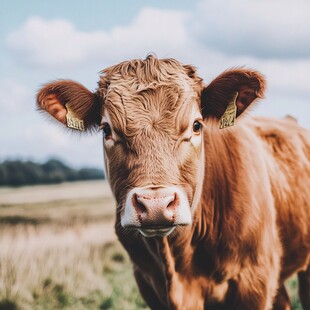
column 42, row 41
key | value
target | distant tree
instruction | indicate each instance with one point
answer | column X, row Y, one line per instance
column 33, row 173
column 17, row 173
column 3, row 175
column 55, row 171
column 90, row 174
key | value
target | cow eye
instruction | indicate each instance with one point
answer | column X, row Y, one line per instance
column 197, row 127
column 106, row 130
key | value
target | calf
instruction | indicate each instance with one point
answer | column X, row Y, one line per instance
column 211, row 218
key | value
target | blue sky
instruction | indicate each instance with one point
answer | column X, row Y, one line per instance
column 44, row 40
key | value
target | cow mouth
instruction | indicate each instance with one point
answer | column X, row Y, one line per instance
column 156, row 231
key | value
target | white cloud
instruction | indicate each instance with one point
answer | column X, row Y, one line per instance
column 277, row 28
column 280, row 105
column 14, row 97
column 58, row 43
column 289, row 77
column 41, row 42
column 45, row 139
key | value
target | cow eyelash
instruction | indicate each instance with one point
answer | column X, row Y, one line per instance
column 105, row 127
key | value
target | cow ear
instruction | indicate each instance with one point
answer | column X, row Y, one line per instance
column 249, row 84
column 70, row 103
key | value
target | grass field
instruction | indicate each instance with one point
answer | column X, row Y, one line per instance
column 58, row 250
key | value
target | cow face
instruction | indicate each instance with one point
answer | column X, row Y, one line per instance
column 152, row 129
column 152, row 115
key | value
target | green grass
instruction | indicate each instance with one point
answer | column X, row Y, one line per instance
column 292, row 287
column 120, row 292
column 117, row 289
column 118, row 272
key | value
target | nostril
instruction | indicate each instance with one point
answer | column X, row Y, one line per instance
column 173, row 203
column 138, row 205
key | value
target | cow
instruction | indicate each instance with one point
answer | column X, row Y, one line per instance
column 213, row 205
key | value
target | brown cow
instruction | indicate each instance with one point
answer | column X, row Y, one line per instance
column 211, row 218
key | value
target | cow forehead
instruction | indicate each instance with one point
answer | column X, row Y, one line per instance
column 139, row 74
column 150, row 94
column 150, row 90
column 131, row 78
column 160, row 108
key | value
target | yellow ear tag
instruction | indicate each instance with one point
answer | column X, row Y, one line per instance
column 72, row 121
column 229, row 116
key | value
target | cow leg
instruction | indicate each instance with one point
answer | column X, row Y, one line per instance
column 148, row 293
column 250, row 291
column 282, row 300
column 242, row 296
column 304, row 287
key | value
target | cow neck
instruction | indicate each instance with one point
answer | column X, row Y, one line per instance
column 168, row 249
column 164, row 252
column 225, row 169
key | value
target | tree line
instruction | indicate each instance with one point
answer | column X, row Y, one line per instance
column 17, row 173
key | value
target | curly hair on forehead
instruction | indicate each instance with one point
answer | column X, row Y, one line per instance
column 142, row 74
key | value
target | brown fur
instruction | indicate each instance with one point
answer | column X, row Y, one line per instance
column 247, row 185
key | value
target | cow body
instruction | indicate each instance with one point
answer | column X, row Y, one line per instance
column 211, row 219
column 241, row 240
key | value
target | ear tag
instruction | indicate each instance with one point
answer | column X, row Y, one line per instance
column 229, row 117
column 73, row 121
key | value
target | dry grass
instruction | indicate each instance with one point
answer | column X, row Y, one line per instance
column 47, row 193
column 58, row 250
column 33, row 258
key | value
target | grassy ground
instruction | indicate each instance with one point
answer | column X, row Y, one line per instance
column 58, row 250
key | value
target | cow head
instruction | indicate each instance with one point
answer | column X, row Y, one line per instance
column 152, row 114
